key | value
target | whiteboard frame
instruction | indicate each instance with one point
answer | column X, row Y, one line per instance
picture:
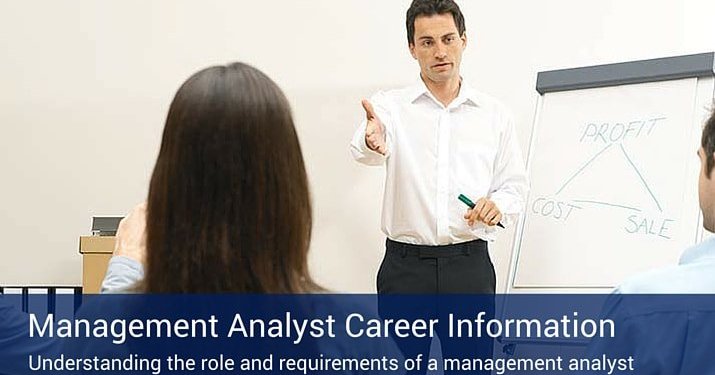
column 700, row 66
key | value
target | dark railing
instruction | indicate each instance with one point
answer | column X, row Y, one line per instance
column 50, row 291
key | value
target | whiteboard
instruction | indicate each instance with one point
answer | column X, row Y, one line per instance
column 613, row 174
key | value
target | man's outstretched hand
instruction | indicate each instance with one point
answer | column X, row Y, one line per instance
column 375, row 130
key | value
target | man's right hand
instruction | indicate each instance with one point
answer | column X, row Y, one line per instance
column 374, row 131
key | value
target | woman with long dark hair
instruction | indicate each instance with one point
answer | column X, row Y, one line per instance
column 229, row 211
column 229, row 207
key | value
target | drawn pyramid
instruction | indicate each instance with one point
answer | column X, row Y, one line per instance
column 610, row 177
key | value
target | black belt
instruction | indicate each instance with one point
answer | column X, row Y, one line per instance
column 436, row 251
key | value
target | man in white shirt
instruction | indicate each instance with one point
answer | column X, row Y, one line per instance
column 440, row 138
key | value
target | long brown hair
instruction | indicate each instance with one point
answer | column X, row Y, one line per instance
column 229, row 207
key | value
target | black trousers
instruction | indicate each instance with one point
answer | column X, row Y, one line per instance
column 463, row 268
column 417, row 269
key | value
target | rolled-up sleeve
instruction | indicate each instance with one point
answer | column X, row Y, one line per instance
column 510, row 184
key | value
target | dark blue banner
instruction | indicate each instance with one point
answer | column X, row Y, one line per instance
column 307, row 334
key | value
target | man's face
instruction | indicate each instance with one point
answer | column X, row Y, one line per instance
column 706, row 193
column 438, row 47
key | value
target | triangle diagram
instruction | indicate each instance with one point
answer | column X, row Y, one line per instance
column 609, row 178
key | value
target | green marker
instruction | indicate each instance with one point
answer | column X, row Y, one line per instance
column 471, row 204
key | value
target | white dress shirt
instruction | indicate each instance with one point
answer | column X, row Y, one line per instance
column 434, row 153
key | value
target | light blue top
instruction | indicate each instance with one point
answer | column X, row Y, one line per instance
column 694, row 274
column 122, row 274
column 666, row 334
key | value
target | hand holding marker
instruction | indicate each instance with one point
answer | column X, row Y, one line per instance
column 471, row 205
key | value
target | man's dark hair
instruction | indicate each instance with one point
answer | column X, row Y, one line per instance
column 431, row 8
column 708, row 142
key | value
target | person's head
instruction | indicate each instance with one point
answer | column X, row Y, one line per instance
column 228, row 208
column 706, row 183
column 436, row 36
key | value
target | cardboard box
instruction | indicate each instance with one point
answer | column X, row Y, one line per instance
column 96, row 252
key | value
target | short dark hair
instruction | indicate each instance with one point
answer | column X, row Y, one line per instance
column 229, row 207
column 430, row 8
column 708, row 142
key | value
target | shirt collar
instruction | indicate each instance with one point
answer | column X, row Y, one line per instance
column 467, row 94
column 703, row 252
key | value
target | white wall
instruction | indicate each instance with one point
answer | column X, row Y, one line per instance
column 85, row 86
